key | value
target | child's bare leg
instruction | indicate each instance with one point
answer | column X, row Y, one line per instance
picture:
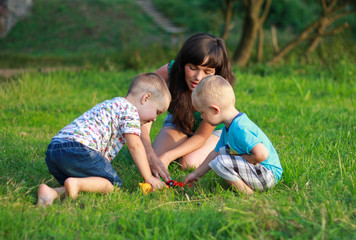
column 241, row 186
column 89, row 184
column 46, row 195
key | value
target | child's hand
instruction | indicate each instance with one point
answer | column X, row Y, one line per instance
column 156, row 183
column 192, row 177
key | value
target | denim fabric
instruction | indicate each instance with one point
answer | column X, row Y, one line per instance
column 67, row 158
column 168, row 123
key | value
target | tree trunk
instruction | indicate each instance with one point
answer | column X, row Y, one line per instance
column 314, row 42
column 260, row 45
column 303, row 36
column 332, row 11
column 250, row 28
column 228, row 14
column 252, row 24
column 274, row 39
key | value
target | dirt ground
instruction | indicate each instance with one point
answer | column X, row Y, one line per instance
column 8, row 73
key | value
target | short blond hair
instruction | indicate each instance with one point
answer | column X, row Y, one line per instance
column 151, row 83
column 216, row 90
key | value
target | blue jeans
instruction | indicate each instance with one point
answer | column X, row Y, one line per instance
column 67, row 158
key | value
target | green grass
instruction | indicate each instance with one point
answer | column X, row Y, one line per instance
column 84, row 33
column 308, row 113
column 117, row 34
column 67, row 28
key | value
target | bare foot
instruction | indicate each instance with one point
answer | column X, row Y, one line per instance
column 46, row 195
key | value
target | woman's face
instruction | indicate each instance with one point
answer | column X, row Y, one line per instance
column 195, row 73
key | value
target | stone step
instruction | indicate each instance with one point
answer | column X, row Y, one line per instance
column 158, row 17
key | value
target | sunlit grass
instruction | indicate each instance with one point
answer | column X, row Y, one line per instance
column 308, row 115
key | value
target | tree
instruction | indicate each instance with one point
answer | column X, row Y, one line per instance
column 253, row 23
column 329, row 8
column 228, row 11
column 332, row 10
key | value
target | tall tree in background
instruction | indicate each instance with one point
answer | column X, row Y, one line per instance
column 253, row 22
column 332, row 10
column 228, row 11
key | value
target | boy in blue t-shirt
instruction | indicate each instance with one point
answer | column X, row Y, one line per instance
column 244, row 156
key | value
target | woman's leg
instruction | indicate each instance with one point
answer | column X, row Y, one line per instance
column 167, row 139
column 194, row 159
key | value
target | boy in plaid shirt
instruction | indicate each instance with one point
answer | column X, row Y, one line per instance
column 244, row 156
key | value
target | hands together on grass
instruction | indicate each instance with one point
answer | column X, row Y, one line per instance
column 156, row 183
column 159, row 170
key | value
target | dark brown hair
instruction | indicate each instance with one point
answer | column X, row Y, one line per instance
column 195, row 50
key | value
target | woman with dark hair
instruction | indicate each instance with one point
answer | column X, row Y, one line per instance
column 184, row 135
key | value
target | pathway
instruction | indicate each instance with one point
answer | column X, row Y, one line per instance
column 146, row 5
column 158, row 18
column 7, row 73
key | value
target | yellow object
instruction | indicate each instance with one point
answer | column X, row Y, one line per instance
column 146, row 187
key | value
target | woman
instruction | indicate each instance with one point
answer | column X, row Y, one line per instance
column 184, row 134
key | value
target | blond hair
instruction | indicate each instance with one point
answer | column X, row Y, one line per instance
column 214, row 90
column 151, row 83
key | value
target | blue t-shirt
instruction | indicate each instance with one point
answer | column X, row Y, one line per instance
column 243, row 135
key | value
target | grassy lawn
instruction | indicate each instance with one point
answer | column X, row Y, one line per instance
column 308, row 113
column 84, row 33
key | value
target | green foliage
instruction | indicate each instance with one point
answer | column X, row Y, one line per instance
column 295, row 15
column 84, row 33
column 290, row 18
column 307, row 112
column 71, row 27
column 119, row 35
column 195, row 15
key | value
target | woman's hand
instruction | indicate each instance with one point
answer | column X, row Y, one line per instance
column 156, row 183
column 159, row 169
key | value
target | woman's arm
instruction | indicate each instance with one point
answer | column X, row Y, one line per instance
column 191, row 144
column 163, row 71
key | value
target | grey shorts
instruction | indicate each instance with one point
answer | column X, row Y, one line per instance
column 168, row 123
column 235, row 168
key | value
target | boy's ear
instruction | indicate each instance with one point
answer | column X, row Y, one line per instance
column 145, row 98
column 215, row 108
